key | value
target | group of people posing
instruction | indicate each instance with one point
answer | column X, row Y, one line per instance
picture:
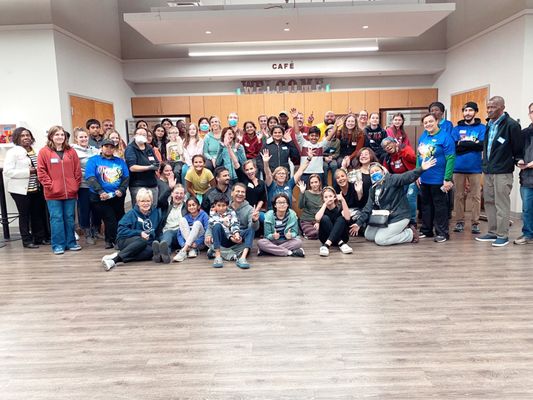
column 201, row 186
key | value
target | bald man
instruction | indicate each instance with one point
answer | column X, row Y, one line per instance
column 503, row 149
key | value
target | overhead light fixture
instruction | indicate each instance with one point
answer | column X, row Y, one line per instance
column 280, row 51
column 286, row 29
column 365, row 26
column 208, row 32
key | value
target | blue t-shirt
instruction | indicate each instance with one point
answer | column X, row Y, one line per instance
column 274, row 189
column 446, row 126
column 108, row 172
column 468, row 163
column 439, row 146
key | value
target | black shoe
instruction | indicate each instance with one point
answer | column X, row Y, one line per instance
column 165, row 252
column 30, row 246
column 109, row 245
column 156, row 252
column 44, row 242
column 440, row 239
column 298, row 253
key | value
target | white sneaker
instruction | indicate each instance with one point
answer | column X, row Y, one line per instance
column 324, row 251
column 192, row 253
column 108, row 263
column 110, row 256
column 346, row 249
column 182, row 255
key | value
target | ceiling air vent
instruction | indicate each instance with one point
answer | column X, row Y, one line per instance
column 184, row 3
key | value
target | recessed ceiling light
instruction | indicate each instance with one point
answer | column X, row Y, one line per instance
column 208, row 32
column 286, row 29
column 365, row 26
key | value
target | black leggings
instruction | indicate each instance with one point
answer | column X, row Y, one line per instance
column 335, row 232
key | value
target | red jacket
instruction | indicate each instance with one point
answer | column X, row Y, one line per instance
column 60, row 178
column 252, row 146
column 402, row 161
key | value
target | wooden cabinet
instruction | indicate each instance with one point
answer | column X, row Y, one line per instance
column 317, row 103
column 393, row 99
column 371, row 101
column 175, row 105
column 212, row 106
column 249, row 107
column 228, row 104
column 196, row 106
column 339, row 102
column 356, row 101
column 421, row 98
column 146, row 106
column 295, row 100
column 274, row 103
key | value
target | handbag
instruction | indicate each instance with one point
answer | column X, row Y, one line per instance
column 379, row 218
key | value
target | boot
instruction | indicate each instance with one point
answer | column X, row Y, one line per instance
column 88, row 236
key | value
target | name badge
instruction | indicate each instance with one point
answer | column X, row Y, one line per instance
column 139, row 219
column 462, row 131
column 354, row 143
column 501, row 140
column 284, row 148
column 251, row 185
column 247, row 144
column 150, row 158
column 54, row 160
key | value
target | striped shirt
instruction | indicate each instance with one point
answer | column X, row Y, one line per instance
column 33, row 184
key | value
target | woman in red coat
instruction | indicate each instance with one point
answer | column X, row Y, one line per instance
column 59, row 171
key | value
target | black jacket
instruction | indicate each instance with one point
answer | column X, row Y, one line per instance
column 526, row 175
column 507, row 148
column 392, row 197
column 280, row 154
column 136, row 156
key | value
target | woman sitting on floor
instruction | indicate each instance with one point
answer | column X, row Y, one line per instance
column 192, row 230
column 309, row 203
column 388, row 201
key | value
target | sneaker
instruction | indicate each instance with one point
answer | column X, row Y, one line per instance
column 440, row 239
column 110, row 256
column 58, row 251
column 488, row 237
column 416, row 235
column 76, row 247
column 523, row 240
column 165, row 252
column 346, row 249
column 109, row 245
column 192, row 253
column 421, row 235
column 76, row 236
column 475, row 229
column 324, row 251
column 182, row 255
column 108, row 263
column 459, row 227
column 242, row 263
column 210, row 254
column 260, row 253
column 501, row 241
column 156, row 252
column 218, row 262
column 298, row 253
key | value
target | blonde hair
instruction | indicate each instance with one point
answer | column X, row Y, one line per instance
column 144, row 193
column 77, row 131
column 279, row 169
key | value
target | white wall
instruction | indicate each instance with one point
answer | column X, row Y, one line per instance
column 86, row 72
column 496, row 59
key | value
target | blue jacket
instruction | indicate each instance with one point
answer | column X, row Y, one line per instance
column 223, row 159
column 468, row 146
column 204, row 220
column 134, row 222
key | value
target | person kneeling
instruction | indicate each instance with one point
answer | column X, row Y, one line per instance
column 387, row 211
column 281, row 230
column 136, row 232
column 333, row 218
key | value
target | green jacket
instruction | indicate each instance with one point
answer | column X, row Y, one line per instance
column 270, row 222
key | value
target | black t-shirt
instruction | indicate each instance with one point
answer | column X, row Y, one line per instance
column 254, row 194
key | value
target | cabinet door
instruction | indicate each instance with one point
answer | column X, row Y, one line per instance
column 146, row 106
column 356, row 101
column 196, row 106
column 372, row 103
column 274, row 103
column 249, row 107
column 228, row 104
column 340, row 102
column 317, row 103
column 175, row 105
column 393, row 98
column 212, row 107
column 421, row 98
column 295, row 100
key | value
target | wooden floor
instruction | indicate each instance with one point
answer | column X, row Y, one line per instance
column 426, row 321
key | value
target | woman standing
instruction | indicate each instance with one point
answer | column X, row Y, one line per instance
column 120, row 145
column 59, row 171
column 309, row 203
column 212, row 143
column 397, row 131
column 250, row 141
column 231, row 154
column 203, row 127
column 20, row 169
column 333, row 217
column 85, row 213
column 375, row 134
column 281, row 230
column 192, row 146
column 280, row 151
column 351, row 138
column 160, row 140
column 436, row 182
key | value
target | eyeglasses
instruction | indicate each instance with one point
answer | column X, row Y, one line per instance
column 282, row 203
column 144, row 201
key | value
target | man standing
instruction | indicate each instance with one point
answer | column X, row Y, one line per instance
column 283, row 120
column 502, row 150
column 107, row 125
column 95, row 133
column 223, row 187
column 329, row 119
column 468, row 136
column 438, row 109
column 526, row 184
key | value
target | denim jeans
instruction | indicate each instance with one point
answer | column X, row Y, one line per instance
column 84, row 208
column 527, row 211
column 62, row 215
column 171, row 237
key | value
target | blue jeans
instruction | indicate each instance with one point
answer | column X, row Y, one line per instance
column 171, row 237
column 527, row 211
column 220, row 239
column 84, row 208
column 412, row 195
column 62, row 214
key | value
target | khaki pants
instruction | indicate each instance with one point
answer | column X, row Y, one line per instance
column 497, row 195
column 474, row 191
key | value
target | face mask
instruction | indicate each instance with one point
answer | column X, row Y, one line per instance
column 232, row 122
column 376, row 176
column 140, row 139
column 204, row 127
